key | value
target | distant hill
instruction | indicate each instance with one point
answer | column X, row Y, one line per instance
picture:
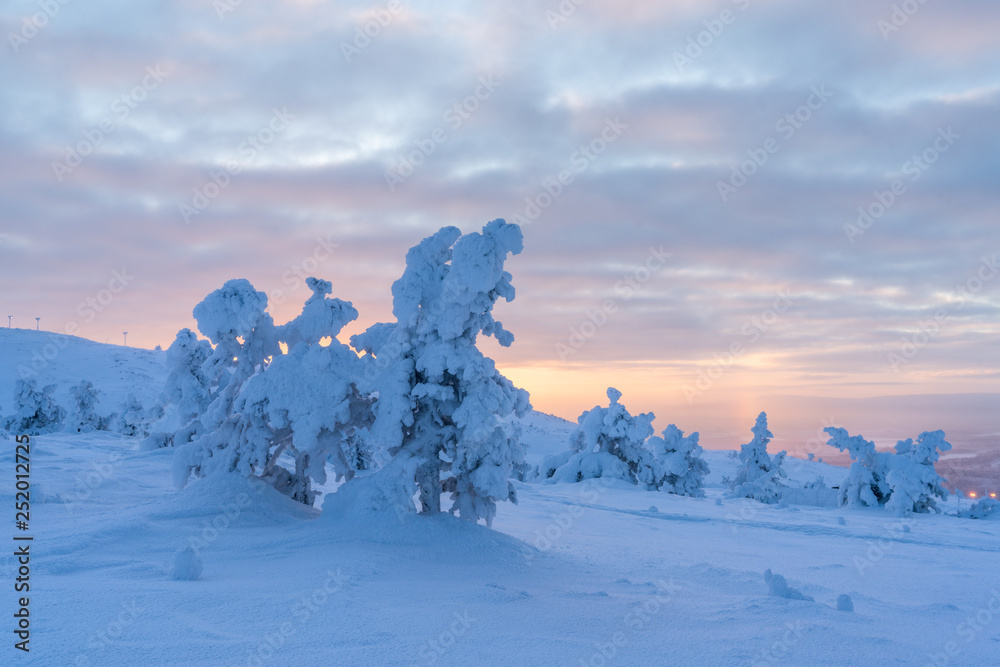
column 51, row 358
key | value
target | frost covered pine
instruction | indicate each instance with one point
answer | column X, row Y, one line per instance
column 266, row 404
column 306, row 405
column 35, row 412
column 188, row 389
column 608, row 442
column 233, row 318
column 981, row 509
column 865, row 483
column 85, row 418
column 914, row 483
column 759, row 476
column 440, row 400
column 186, row 393
column 904, row 482
column 132, row 420
column 674, row 463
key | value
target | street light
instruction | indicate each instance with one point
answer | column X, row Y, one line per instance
column 36, row 323
column 125, row 333
column 9, row 318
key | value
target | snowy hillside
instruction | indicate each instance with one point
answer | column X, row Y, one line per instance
column 50, row 358
column 595, row 573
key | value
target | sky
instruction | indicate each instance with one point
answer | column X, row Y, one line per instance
column 728, row 206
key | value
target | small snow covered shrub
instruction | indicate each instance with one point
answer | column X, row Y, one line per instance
column 440, row 400
column 982, row 509
column 187, row 564
column 35, row 411
column 903, row 482
column 612, row 443
column 759, row 476
column 85, row 418
column 912, row 479
column 865, row 484
column 608, row 442
column 132, row 420
column 673, row 463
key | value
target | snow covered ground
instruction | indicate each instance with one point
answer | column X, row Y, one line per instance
column 576, row 574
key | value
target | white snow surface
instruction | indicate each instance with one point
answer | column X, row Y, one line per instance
column 599, row 572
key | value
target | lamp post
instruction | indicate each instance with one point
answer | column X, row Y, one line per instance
column 37, row 319
column 125, row 333
column 9, row 318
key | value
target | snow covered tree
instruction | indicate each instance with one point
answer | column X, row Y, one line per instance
column 188, row 389
column 982, row 509
column 608, row 442
column 35, row 411
column 85, row 418
column 303, row 405
column 132, row 420
column 903, row 482
column 186, row 394
column 760, row 476
column 234, row 318
column 440, row 400
column 866, row 482
column 673, row 463
column 912, row 479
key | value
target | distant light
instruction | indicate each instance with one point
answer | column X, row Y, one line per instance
column 972, row 494
column 993, row 495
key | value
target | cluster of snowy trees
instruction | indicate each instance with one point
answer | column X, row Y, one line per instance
column 903, row 482
column 414, row 409
column 612, row 443
column 36, row 412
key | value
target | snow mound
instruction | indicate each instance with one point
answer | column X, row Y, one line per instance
column 187, row 565
column 779, row 588
column 228, row 498
column 357, row 512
